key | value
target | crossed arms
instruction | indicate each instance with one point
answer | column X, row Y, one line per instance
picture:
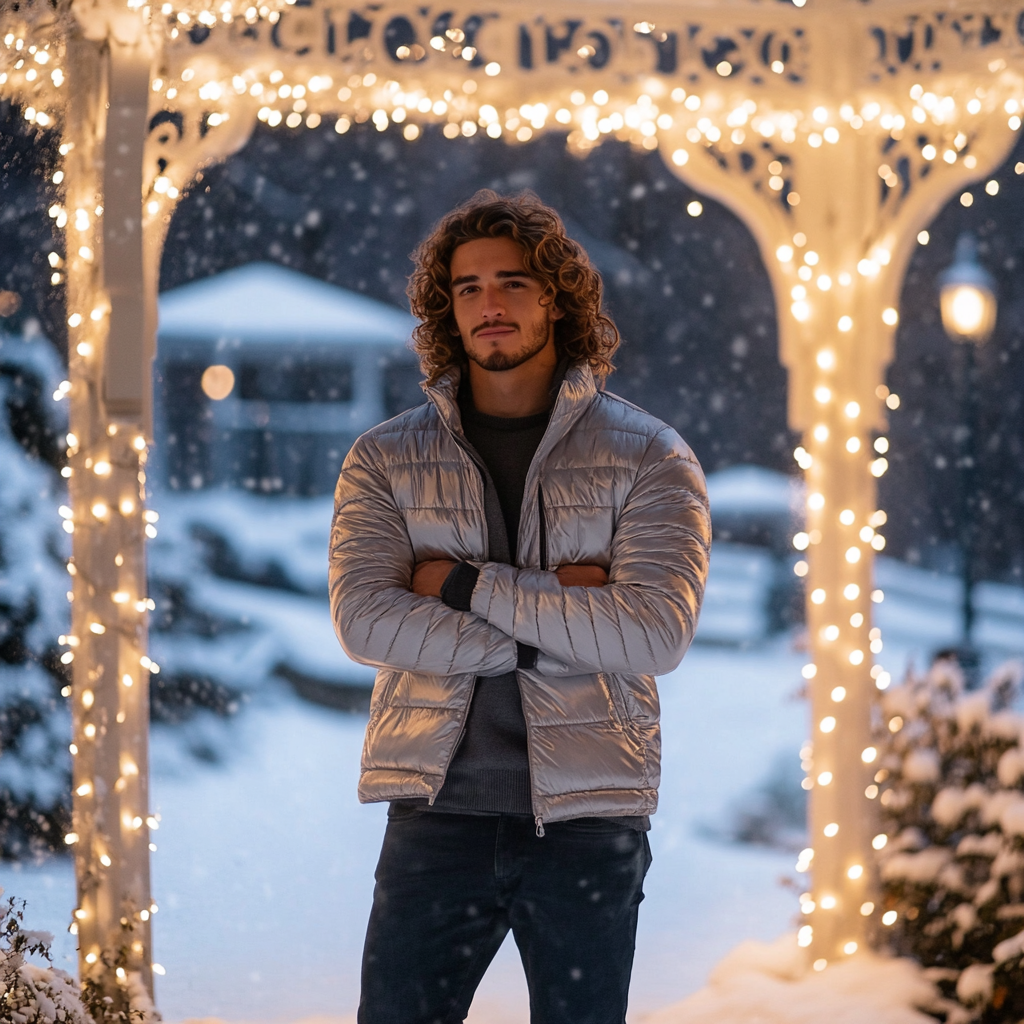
column 429, row 577
column 638, row 619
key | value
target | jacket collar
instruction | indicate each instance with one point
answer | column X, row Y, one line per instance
column 575, row 394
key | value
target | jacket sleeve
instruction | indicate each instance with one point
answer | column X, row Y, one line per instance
column 378, row 619
column 643, row 620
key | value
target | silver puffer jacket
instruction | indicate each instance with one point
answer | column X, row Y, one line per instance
column 609, row 485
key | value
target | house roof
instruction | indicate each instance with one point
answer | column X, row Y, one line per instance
column 265, row 302
column 754, row 490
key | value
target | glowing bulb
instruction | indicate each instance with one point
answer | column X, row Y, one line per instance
column 889, row 918
column 827, row 724
column 827, row 902
column 826, row 359
column 879, row 841
column 839, row 694
column 968, row 309
column 831, row 830
column 824, row 778
column 850, row 948
column 818, row 596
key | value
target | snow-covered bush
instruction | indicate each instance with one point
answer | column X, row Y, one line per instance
column 35, row 766
column 32, row 993
column 950, row 772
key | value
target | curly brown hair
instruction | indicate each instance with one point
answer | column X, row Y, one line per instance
column 549, row 256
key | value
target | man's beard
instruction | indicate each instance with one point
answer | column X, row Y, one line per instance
column 498, row 361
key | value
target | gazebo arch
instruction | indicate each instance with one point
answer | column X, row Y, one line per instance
column 834, row 130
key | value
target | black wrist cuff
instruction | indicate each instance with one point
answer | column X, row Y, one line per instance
column 458, row 586
column 526, row 657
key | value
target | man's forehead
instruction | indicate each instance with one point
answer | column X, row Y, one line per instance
column 489, row 250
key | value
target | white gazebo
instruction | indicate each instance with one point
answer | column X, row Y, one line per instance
column 834, row 129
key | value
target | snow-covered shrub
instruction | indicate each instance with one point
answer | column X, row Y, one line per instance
column 31, row 993
column 950, row 772
column 35, row 727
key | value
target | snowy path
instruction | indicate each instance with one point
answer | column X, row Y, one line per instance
column 264, row 869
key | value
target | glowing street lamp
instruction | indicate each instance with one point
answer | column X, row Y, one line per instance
column 967, row 296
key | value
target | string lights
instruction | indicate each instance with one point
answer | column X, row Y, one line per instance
column 835, row 185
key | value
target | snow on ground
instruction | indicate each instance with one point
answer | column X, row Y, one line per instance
column 264, row 870
column 759, row 983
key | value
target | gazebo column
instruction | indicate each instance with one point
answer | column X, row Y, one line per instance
column 841, row 518
column 123, row 182
column 111, row 318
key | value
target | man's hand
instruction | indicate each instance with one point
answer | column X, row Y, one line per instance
column 581, row 575
column 429, row 577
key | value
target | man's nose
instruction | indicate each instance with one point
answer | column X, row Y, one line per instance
column 494, row 303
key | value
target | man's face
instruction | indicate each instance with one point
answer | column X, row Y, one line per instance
column 504, row 316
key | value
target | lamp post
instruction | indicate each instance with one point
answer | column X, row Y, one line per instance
column 967, row 299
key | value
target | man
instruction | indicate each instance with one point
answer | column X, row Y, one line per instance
column 519, row 557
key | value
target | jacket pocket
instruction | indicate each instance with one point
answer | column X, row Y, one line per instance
column 616, row 700
column 387, row 689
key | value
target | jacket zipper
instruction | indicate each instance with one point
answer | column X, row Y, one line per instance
column 538, row 820
column 543, row 528
column 465, row 713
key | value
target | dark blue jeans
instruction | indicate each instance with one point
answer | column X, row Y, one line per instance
column 449, row 888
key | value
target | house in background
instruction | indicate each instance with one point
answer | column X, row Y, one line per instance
column 265, row 377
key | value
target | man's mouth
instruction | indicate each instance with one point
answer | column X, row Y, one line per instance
column 494, row 330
